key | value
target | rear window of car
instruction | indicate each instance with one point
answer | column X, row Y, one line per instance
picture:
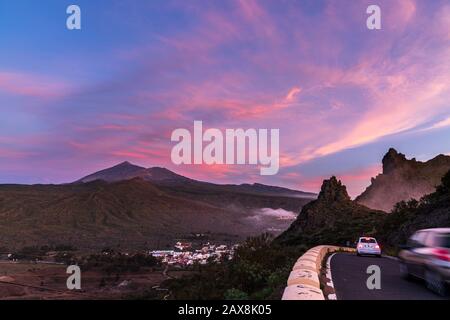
column 417, row 239
column 367, row 240
column 443, row 240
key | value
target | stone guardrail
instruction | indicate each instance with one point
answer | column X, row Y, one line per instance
column 303, row 282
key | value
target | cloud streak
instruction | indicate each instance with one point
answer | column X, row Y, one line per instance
column 311, row 69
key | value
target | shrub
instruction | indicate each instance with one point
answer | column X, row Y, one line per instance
column 235, row 294
column 258, row 270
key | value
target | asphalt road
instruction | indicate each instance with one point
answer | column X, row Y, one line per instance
column 350, row 277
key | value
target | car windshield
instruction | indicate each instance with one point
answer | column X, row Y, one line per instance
column 367, row 240
column 443, row 240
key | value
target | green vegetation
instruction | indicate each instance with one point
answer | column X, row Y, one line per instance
column 261, row 266
column 235, row 294
column 258, row 271
column 134, row 214
column 432, row 211
column 332, row 219
column 335, row 219
column 402, row 179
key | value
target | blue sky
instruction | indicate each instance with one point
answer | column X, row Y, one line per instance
column 73, row 102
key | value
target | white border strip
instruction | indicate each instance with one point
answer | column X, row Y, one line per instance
column 332, row 296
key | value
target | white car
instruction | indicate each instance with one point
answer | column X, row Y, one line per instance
column 368, row 246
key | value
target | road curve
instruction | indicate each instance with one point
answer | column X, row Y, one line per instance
column 349, row 278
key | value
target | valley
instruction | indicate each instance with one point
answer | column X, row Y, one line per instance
column 133, row 208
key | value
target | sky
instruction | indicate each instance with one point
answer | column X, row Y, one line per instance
column 74, row 102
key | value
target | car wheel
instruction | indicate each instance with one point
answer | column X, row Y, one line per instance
column 378, row 255
column 404, row 271
column 357, row 253
column 435, row 283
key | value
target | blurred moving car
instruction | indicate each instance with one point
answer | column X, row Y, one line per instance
column 427, row 256
column 368, row 246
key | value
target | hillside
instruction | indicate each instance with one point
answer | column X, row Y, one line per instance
column 138, row 212
column 331, row 219
column 402, row 180
column 131, row 213
column 335, row 219
column 432, row 211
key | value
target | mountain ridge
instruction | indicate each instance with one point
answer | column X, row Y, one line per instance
column 165, row 177
column 403, row 179
column 333, row 218
column 138, row 208
column 126, row 171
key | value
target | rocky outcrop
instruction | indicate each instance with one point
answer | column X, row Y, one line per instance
column 433, row 211
column 402, row 180
column 331, row 219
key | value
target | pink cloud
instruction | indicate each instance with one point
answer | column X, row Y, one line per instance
column 319, row 76
column 14, row 154
column 399, row 90
column 258, row 17
column 220, row 173
column 18, row 83
column 355, row 180
column 401, row 15
column 128, row 155
column 292, row 94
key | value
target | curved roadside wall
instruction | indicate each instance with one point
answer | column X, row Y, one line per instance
column 303, row 282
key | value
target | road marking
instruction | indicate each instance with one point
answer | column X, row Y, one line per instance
column 330, row 277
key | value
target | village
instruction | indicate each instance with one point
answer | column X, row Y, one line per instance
column 184, row 254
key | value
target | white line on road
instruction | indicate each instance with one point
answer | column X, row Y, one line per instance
column 330, row 277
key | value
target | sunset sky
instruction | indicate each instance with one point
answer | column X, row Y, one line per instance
column 74, row 102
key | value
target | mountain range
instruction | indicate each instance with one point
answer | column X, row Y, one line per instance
column 335, row 219
column 408, row 195
column 176, row 183
column 133, row 207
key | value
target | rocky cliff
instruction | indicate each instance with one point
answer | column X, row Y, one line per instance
column 403, row 179
column 331, row 219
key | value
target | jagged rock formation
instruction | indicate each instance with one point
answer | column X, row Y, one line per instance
column 402, row 180
column 433, row 211
column 331, row 219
